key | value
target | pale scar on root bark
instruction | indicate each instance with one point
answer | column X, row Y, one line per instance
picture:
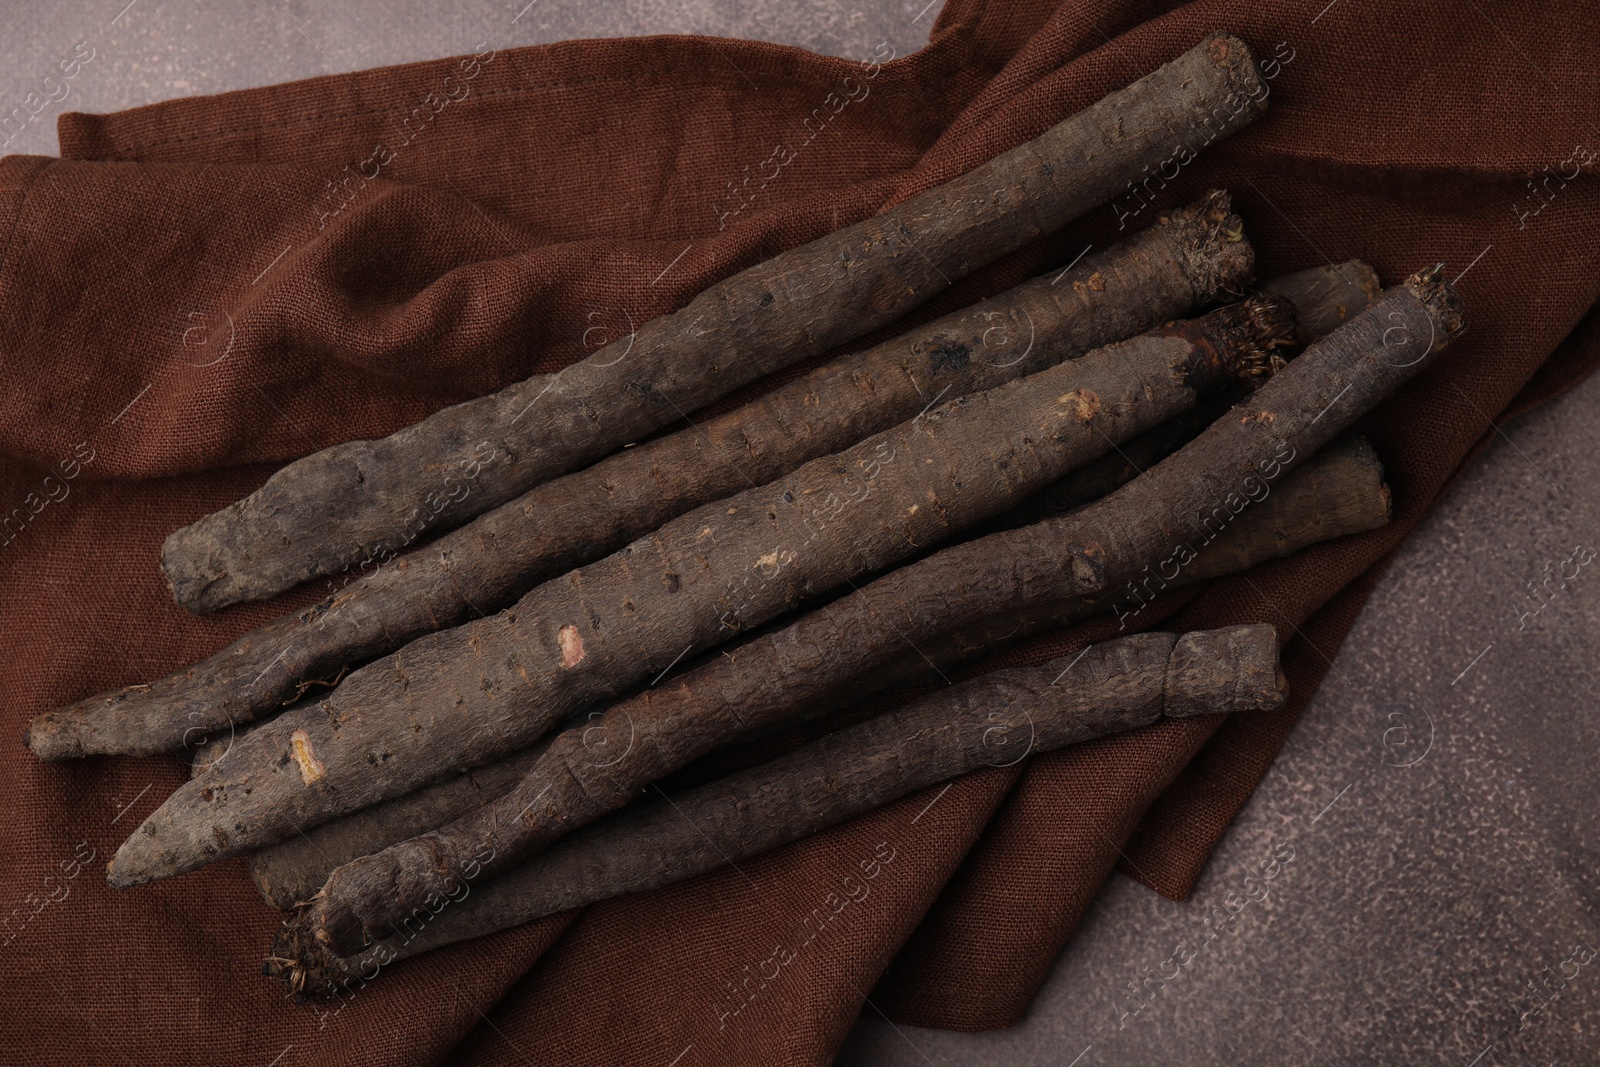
column 311, row 767
column 571, row 645
column 1084, row 402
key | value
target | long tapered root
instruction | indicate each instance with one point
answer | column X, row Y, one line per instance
column 1191, row 256
column 996, row 719
column 358, row 500
column 693, row 583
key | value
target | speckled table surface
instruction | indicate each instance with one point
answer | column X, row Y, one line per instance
column 150, row 50
column 1415, row 879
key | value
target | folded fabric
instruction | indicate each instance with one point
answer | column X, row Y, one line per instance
column 201, row 290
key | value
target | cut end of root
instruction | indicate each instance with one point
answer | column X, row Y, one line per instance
column 1261, row 328
column 1361, row 273
column 305, row 966
column 197, row 583
column 1213, row 247
column 1238, row 65
column 1235, row 668
column 1443, row 302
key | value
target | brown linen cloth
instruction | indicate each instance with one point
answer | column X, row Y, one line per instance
column 203, row 289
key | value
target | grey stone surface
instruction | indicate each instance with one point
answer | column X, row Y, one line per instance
column 1438, row 797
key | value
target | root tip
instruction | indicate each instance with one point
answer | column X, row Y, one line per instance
column 304, row 965
column 1239, row 64
column 51, row 740
column 1257, row 329
column 1442, row 300
column 1212, row 246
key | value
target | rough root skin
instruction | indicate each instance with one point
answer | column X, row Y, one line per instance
column 1187, row 498
column 691, row 584
column 1108, row 394
column 1430, row 288
column 1337, row 493
column 1187, row 260
column 1116, row 685
column 1214, row 246
column 1324, row 298
column 358, row 499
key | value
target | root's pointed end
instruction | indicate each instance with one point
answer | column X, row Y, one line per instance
column 125, row 875
column 143, row 858
column 83, row 730
column 117, row 879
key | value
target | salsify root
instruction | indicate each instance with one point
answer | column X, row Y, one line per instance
column 1141, row 538
column 1323, row 298
column 1186, row 260
column 995, row 720
column 290, row 871
column 1338, row 492
column 471, row 694
column 353, row 500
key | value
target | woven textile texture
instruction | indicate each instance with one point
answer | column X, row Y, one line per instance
column 197, row 292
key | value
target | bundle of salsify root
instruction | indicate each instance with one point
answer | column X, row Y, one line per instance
column 1141, row 419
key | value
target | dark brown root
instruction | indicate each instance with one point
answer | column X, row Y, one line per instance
column 994, row 720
